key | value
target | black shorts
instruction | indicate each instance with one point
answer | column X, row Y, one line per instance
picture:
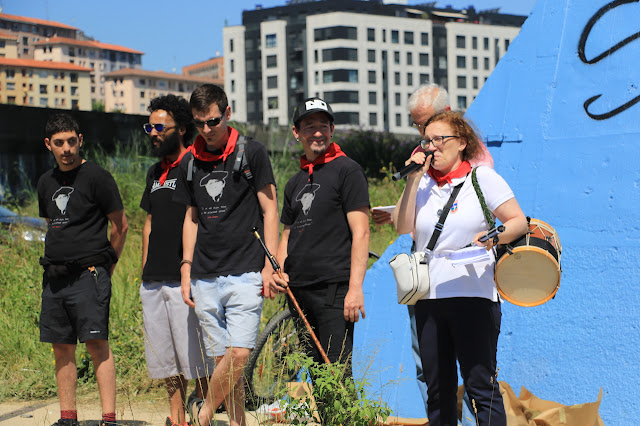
column 76, row 308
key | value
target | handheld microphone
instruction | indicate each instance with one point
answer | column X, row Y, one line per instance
column 409, row 168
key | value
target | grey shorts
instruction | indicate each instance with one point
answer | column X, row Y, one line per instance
column 229, row 310
column 173, row 342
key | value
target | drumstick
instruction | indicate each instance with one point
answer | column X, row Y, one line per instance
column 276, row 267
column 491, row 233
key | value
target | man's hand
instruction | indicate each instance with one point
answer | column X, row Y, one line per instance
column 278, row 285
column 267, row 279
column 354, row 305
column 381, row 217
column 185, row 284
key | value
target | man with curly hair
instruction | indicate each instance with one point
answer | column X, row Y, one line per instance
column 173, row 344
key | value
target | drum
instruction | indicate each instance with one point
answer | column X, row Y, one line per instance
column 528, row 273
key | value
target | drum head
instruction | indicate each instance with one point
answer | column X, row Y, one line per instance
column 528, row 277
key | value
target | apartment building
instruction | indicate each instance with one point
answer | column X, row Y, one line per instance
column 44, row 84
column 101, row 58
column 31, row 30
column 364, row 57
column 130, row 90
column 8, row 45
column 211, row 68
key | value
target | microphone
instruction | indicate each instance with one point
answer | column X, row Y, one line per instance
column 409, row 168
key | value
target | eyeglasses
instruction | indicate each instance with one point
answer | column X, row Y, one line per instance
column 159, row 127
column 417, row 126
column 212, row 122
column 437, row 141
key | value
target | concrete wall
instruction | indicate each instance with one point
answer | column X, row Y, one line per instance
column 559, row 115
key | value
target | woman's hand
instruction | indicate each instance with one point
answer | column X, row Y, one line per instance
column 489, row 244
column 419, row 157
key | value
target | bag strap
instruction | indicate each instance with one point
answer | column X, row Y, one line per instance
column 487, row 214
column 443, row 217
column 241, row 164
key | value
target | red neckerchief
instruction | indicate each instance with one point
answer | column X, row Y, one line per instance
column 200, row 147
column 167, row 165
column 330, row 154
column 462, row 170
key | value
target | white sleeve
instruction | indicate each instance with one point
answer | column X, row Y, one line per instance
column 494, row 188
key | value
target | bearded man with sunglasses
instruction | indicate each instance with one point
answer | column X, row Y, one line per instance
column 223, row 265
column 173, row 346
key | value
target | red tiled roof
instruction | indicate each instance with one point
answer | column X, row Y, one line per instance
column 7, row 35
column 32, row 63
column 130, row 72
column 86, row 43
column 216, row 60
column 35, row 21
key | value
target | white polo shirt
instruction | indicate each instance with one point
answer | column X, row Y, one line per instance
column 464, row 221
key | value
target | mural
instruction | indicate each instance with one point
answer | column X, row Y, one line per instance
column 561, row 118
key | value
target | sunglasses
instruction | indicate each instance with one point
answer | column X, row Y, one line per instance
column 159, row 127
column 212, row 122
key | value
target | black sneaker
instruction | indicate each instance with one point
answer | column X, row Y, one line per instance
column 66, row 422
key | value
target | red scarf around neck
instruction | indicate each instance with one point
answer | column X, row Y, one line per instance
column 167, row 165
column 462, row 170
column 200, row 147
column 330, row 154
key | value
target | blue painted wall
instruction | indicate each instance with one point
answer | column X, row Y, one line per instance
column 574, row 164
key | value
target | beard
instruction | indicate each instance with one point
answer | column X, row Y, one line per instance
column 169, row 145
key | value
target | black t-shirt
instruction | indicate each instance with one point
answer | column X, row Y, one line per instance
column 319, row 246
column 77, row 203
column 228, row 210
column 164, row 252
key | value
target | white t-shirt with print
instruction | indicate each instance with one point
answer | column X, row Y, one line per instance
column 464, row 221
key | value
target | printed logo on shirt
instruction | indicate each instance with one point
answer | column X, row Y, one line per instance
column 61, row 198
column 454, row 207
column 168, row 184
column 307, row 195
column 214, row 183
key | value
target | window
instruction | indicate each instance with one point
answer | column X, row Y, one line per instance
column 233, row 86
column 11, row 85
column 272, row 82
column 335, row 33
column 142, row 93
column 232, row 65
column 424, row 39
column 474, row 43
column 486, row 64
column 43, row 89
column 372, row 77
column 462, row 82
column 396, row 58
column 506, row 44
column 384, row 36
column 371, row 55
column 409, row 58
column 272, row 61
column 230, row 45
column 424, row 79
column 474, row 62
column 271, row 40
column 347, row 117
column 342, row 97
column 461, row 62
column 339, row 54
column 462, row 102
column 10, row 73
column 461, row 42
column 397, row 98
column 442, row 63
column 332, row 76
column 395, row 37
column 409, row 79
column 396, row 78
column 74, row 77
column 424, row 59
column 371, row 34
column 475, row 82
column 44, row 101
column 272, row 102
column 408, row 37
column 373, row 119
column 273, row 122
column 486, row 43
column 398, row 120
column 373, row 98
column 315, row 56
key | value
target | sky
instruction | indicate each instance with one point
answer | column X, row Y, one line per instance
column 173, row 34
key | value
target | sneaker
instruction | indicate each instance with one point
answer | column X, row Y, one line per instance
column 193, row 407
column 66, row 422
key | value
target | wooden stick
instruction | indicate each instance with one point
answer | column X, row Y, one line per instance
column 276, row 267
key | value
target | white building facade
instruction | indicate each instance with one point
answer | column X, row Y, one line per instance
column 364, row 58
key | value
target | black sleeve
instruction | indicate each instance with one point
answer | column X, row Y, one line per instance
column 354, row 189
column 42, row 205
column 144, row 202
column 183, row 193
column 105, row 191
column 286, row 218
column 259, row 164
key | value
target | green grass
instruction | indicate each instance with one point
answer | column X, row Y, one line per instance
column 27, row 366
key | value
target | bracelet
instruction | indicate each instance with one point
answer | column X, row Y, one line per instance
column 183, row 261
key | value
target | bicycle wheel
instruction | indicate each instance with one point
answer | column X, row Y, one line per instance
column 266, row 372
